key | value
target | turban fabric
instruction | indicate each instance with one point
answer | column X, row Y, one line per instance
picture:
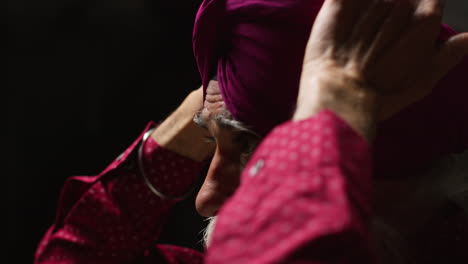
column 256, row 48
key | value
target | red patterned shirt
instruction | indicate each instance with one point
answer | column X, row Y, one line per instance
column 304, row 197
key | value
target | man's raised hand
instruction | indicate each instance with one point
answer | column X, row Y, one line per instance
column 388, row 46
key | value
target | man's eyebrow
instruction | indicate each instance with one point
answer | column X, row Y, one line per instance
column 200, row 120
column 237, row 126
column 224, row 121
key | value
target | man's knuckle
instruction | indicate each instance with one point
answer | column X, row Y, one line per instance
column 429, row 12
column 427, row 18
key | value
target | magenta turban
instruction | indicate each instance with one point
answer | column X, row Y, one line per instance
column 256, row 48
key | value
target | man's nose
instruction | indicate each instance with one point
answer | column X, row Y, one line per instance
column 220, row 183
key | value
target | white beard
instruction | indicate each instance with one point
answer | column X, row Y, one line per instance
column 208, row 231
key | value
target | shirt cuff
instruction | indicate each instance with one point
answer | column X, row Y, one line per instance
column 169, row 172
column 325, row 142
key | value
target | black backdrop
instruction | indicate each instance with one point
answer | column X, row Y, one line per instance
column 84, row 77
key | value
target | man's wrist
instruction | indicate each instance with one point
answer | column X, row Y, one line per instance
column 178, row 133
column 349, row 99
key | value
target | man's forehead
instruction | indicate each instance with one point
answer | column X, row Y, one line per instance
column 213, row 87
column 212, row 109
column 214, row 104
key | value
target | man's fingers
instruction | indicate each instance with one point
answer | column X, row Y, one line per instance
column 416, row 44
column 430, row 7
column 368, row 26
column 337, row 18
column 427, row 18
column 452, row 52
column 395, row 24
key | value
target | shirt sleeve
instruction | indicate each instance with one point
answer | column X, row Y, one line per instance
column 304, row 198
column 114, row 217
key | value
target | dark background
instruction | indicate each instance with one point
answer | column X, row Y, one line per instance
column 84, row 77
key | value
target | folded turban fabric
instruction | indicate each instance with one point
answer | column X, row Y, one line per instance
column 256, row 48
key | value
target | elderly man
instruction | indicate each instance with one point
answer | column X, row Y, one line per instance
column 304, row 196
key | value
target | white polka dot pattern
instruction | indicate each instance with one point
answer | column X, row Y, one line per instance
column 313, row 185
column 113, row 217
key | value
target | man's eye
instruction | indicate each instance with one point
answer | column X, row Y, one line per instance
column 209, row 139
column 243, row 143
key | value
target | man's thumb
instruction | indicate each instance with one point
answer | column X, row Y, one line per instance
column 453, row 51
